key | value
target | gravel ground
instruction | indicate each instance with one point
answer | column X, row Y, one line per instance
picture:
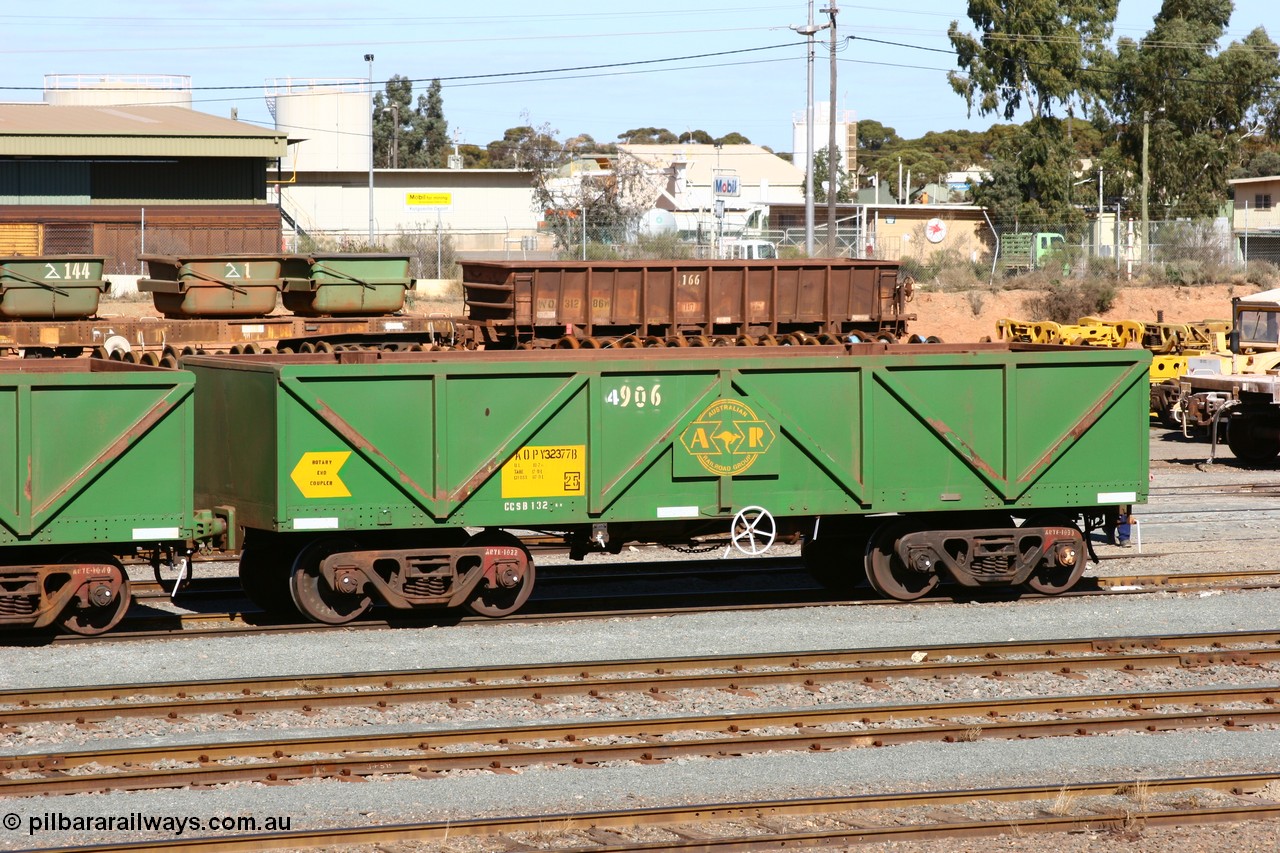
column 1186, row 527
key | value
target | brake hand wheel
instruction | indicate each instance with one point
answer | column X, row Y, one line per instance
column 753, row 530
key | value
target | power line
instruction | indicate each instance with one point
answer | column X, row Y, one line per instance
column 460, row 78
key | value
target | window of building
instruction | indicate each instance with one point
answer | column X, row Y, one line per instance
column 1262, row 201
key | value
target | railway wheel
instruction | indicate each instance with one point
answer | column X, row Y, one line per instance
column 1254, row 440
column 266, row 562
column 1061, row 569
column 509, row 593
column 103, row 608
column 888, row 575
column 311, row 592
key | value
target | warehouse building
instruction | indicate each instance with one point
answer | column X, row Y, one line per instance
column 120, row 180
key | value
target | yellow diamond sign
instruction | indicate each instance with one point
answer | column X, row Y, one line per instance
column 316, row 475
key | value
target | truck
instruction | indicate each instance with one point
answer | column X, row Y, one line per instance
column 748, row 250
column 1023, row 251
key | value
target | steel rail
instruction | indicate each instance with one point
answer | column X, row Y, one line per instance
column 1105, row 585
column 703, row 813
column 462, row 684
column 729, row 735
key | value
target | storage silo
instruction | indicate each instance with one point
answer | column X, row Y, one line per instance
column 846, row 130
column 117, row 90
column 332, row 117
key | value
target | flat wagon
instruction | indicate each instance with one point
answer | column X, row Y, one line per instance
column 365, row 476
column 96, row 465
column 538, row 303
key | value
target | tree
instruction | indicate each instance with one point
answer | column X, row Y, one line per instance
column 406, row 137
column 1033, row 52
column 873, row 136
column 433, row 150
column 1263, row 163
column 393, row 123
column 526, row 147
column 648, row 136
column 613, row 199
column 846, row 187
column 733, row 138
column 1031, row 178
column 697, row 137
column 1198, row 104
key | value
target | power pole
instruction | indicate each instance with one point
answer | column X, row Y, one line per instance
column 395, row 135
column 1146, row 120
column 832, row 150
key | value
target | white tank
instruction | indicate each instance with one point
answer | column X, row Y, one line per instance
column 657, row 221
column 845, row 119
column 117, row 90
column 333, row 119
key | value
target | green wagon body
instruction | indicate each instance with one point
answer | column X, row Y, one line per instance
column 56, row 287
column 345, row 284
column 361, row 475
column 444, row 440
column 97, row 460
column 224, row 286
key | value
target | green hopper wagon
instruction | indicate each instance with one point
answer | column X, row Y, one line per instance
column 97, row 465
column 363, row 476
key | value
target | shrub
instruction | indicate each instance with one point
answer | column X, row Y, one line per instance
column 1068, row 301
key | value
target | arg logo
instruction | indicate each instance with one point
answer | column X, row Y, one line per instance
column 727, row 438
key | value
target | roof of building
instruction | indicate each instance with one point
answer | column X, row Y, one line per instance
column 751, row 162
column 1254, row 180
column 46, row 130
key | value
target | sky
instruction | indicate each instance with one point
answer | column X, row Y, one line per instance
column 574, row 66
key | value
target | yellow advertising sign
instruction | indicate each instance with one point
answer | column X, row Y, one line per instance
column 316, row 475
column 428, row 199
column 547, row 471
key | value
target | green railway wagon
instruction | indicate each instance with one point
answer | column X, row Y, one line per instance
column 345, row 284
column 97, row 464
column 363, row 476
column 52, row 287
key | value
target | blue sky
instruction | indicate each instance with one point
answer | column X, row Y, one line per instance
column 230, row 49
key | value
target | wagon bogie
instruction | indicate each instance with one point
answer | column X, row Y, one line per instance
column 85, row 590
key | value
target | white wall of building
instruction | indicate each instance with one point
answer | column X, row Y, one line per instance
column 493, row 200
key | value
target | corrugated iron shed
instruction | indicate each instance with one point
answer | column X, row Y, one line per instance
column 44, row 130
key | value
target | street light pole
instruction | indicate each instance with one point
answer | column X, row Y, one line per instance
column 368, row 57
column 808, row 32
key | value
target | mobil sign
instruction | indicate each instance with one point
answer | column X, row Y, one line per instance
column 725, row 184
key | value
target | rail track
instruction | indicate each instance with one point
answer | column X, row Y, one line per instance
column 241, row 696
column 799, row 591
column 1096, row 807
column 430, row 753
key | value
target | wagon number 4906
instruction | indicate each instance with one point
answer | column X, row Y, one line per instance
column 636, row 396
